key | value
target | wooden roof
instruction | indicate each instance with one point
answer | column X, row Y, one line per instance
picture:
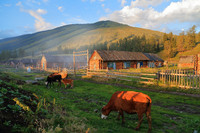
column 153, row 57
column 186, row 59
column 121, row 55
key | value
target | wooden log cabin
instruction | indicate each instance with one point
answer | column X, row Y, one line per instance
column 117, row 60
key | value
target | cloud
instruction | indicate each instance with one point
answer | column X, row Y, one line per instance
column 40, row 23
column 60, row 8
column 107, row 10
column 62, row 23
column 7, row 5
column 123, row 2
column 183, row 11
column 41, row 11
column 19, row 4
column 145, row 3
column 45, row 0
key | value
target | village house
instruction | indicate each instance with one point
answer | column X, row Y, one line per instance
column 122, row 60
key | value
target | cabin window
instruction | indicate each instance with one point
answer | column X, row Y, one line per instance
column 127, row 64
column 112, row 65
column 159, row 64
column 94, row 57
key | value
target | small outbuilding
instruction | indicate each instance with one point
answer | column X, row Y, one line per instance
column 186, row 61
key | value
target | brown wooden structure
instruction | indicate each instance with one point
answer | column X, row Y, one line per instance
column 117, row 60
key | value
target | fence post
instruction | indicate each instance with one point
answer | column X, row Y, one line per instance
column 158, row 75
column 199, row 81
column 187, row 78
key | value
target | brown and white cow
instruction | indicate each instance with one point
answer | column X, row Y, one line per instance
column 131, row 102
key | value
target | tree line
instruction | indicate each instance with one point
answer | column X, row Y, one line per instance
column 7, row 54
column 173, row 44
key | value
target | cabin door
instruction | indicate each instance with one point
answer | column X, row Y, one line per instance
column 114, row 65
column 138, row 65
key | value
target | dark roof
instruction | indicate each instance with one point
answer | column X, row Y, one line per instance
column 186, row 59
column 153, row 57
column 121, row 55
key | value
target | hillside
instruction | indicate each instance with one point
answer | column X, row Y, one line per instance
column 74, row 36
column 193, row 51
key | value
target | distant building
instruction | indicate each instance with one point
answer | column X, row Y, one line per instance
column 186, row 61
column 122, row 60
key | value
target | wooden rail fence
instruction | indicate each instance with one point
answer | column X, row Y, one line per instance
column 119, row 75
column 180, row 78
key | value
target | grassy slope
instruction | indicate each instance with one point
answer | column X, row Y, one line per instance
column 73, row 36
column 170, row 113
column 194, row 51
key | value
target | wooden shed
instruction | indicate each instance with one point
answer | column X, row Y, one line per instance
column 186, row 61
column 117, row 60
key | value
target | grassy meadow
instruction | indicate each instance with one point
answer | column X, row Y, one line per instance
column 78, row 110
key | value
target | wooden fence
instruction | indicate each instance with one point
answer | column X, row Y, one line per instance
column 180, row 78
column 119, row 75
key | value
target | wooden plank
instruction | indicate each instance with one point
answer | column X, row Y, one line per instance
column 187, row 79
column 199, row 81
column 176, row 77
column 190, row 80
column 80, row 52
column 179, row 82
column 196, row 80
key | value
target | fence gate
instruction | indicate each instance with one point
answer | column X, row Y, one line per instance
column 80, row 53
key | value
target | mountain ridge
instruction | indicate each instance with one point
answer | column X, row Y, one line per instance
column 74, row 36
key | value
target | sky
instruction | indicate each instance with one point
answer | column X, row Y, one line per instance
column 18, row 17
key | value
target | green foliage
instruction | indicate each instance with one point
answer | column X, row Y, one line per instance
column 78, row 109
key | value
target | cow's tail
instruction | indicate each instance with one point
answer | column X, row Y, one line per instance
column 149, row 105
column 148, row 114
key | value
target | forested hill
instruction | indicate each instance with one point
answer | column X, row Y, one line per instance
column 77, row 36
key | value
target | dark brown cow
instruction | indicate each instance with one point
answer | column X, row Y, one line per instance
column 131, row 102
column 53, row 78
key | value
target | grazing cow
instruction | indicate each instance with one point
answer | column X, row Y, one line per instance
column 68, row 81
column 131, row 102
column 53, row 78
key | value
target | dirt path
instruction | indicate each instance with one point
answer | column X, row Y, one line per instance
column 145, row 89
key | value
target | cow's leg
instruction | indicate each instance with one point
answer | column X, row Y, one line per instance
column 118, row 117
column 47, row 84
column 122, row 114
column 140, row 117
column 59, row 82
column 149, row 121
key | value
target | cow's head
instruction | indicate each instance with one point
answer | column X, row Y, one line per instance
column 104, row 112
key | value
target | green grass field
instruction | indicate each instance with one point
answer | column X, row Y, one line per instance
column 78, row 109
